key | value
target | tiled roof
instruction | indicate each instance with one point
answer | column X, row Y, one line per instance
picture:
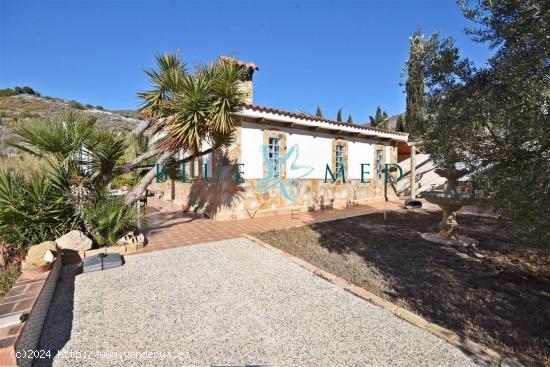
column 304, row 116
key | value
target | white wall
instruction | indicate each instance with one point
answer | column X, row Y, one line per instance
column 315, row 150
column 388, row 154
column 251, row 150
column 360, row 152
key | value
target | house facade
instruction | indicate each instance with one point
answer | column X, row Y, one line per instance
column 281, row 161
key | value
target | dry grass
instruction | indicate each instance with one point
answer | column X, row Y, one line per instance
column 24, row 164
column 497, row 295
column 8, row 276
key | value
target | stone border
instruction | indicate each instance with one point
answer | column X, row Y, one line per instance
column 478, row 351
column 30, row 295
column 74, row 257
column 122, row 249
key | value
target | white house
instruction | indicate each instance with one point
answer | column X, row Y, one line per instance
column 282, row 161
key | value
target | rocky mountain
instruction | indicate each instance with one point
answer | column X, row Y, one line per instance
column 16, row 109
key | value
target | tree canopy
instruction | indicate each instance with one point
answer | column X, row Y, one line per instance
column 319, row 113
column 493, row 119
column 380, row 118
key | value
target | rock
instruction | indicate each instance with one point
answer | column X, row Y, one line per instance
column 139, row 239
column 126, row 239
column 131, row 239
column 48, row 256
column 75, row 241
column 35, row 255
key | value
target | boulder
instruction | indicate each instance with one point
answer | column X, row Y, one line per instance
column 74, row 241
column 126, row 239
column 35, row 255
column 130, row 239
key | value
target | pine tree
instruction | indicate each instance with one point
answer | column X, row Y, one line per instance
column 319, row 113
column 339, row 115
column 400, row 125
column 350, row 120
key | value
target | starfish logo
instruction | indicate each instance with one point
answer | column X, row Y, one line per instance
column 273, row 178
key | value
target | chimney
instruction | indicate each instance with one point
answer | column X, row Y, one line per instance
column 246, row 83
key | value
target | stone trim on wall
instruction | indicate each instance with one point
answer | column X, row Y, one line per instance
column 281, row 135
column 344, row 143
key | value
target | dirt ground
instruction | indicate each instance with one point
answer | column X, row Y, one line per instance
column 497, row 295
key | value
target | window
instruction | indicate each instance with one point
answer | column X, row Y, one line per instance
column 274, row 155
column 84, row 160
column 339, row 158
column 379, row 163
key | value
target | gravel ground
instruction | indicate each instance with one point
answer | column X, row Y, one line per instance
column 228, row 303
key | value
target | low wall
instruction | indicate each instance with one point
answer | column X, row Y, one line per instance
column 31, row 295
column 225, row 200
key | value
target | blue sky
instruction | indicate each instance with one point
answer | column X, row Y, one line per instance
column 335, row 54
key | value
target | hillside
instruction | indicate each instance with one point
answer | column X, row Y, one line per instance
column 15, row 109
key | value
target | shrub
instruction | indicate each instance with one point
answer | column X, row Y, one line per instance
column 28, row 90
column 88, row 106
column 18, row 90
column 76, row 105
column 110, row 219
column 7, row 92
column 99, row 108
column 32, row 210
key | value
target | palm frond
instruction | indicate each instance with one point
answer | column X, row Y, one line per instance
column 166, row 81
column 200, row 109
column 60, row 136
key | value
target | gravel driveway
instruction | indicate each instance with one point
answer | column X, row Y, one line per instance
column 228, row 303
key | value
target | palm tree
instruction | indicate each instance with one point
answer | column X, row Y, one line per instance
column 190, row 110
column 187, row 110
column 81, row 159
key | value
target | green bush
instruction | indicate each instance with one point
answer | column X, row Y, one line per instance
column 76, row 105
column 99, row 108
column 7, row 92
column 88, row 106
column 32, row 210
column 28, row 90
column 110, row 219
column 18, row 90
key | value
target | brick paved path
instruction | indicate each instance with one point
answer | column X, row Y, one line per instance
column 167, row 227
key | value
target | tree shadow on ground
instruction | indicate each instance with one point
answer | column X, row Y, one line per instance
column 497, row 295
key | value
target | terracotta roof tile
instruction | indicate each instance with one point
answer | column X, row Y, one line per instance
column 315, row 118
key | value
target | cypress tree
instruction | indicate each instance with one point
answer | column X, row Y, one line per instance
column 339, row 115
column 350, row 120
column 399, row 125
column 319, row 113
column 414, row 86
